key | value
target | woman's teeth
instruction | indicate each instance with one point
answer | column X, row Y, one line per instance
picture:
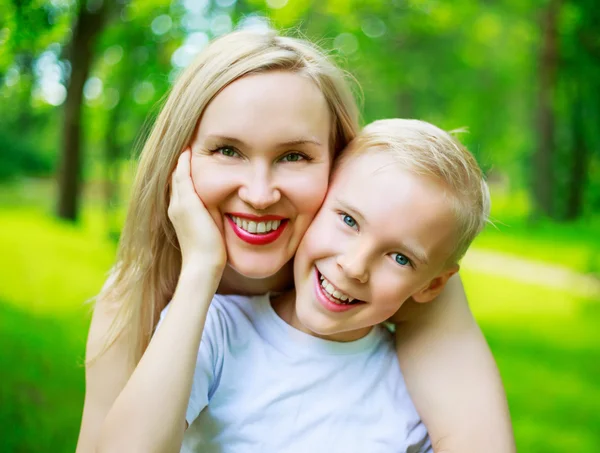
column 256, row 227
column 335, row 293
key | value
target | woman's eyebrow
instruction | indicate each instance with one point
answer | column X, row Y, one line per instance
column 226, row 139
column 300, row 142
column 286, row 144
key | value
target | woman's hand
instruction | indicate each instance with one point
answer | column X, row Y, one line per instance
column 200, row 240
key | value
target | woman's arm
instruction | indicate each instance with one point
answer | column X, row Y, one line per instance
column 149, row 413
column 143, row 409
column 105, row 377
column 452, row 377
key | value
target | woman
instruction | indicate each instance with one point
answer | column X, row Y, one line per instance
column 264, row 117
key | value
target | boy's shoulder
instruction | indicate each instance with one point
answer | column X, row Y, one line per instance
column 235, row 307
column 228, row 313
column 234, row 318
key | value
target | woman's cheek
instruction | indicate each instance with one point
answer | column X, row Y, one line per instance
column 213, row 189
column 310, row 191
column 210, row 182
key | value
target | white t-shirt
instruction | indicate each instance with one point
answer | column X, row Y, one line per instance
column 263, row 386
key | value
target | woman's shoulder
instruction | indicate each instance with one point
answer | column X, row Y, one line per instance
column 109, row 365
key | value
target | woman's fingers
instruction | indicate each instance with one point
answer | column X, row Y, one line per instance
column 196, row 230
column 182, row 170
column 181, row 181
column 183, row 175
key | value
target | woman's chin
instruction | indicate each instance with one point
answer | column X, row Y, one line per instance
column 257, row 269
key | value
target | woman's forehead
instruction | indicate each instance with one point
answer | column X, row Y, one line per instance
column 281, row 105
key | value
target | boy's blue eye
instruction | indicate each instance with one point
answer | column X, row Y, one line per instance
column 348, row 220
column 401, row 259
column 293, row 157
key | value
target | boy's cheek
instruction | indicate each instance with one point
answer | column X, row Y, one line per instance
column 390, row 309
column 320, row 236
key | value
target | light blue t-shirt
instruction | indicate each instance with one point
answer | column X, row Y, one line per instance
column 263, row 386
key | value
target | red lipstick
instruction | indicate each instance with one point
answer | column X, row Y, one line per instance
column 256, row 218
column 257, row 238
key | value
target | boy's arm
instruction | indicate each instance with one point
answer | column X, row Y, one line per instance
column 452, row 377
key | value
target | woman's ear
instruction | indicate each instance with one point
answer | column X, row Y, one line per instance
column 435, row 286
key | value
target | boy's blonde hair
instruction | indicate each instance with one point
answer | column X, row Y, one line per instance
column 149, row 260
column 427, row 150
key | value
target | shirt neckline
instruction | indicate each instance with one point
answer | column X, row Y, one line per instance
column 286, row 338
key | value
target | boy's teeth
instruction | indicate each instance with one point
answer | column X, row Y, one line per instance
column 256, row 227
column 335, row 293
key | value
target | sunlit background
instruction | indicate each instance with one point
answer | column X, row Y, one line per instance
column 522, row 76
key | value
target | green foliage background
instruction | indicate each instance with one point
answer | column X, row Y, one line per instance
column 457, row 64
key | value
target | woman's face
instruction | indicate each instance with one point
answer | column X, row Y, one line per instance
column 260, row 164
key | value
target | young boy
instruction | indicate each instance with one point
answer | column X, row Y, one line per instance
column 313, row 370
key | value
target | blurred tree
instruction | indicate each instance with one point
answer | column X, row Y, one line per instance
column 89, row 22
column 30, row 33
column 543, row 173
column 522, row 77
column 581, row 75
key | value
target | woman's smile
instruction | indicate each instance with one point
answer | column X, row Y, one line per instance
column 257, row 230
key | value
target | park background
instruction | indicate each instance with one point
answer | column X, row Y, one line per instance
column 81, row 81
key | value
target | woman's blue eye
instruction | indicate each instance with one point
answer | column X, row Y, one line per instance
column 401, row 259
column 348, row 220
column 293, row 157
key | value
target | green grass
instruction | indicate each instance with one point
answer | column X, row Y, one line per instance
column 545, row 341
column 575, row 245
column 49, row 269
column 42, row 382
column 547, row 345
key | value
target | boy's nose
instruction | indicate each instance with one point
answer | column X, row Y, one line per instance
column 354, row 265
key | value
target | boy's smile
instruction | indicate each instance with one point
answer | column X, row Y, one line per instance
column 332, row 297
column 383, row 235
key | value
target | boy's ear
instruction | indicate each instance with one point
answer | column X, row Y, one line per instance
column 435, row 286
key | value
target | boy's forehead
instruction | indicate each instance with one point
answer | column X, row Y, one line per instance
column 365, row 180
column 363, row 166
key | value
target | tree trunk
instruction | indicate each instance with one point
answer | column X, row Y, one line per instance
column 577, row 177
column 88, row 26
column 112, row 174
column 543, row 173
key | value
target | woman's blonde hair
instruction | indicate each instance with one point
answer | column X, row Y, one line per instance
column 148, row 260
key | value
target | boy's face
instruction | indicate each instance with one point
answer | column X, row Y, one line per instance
column 382, row 235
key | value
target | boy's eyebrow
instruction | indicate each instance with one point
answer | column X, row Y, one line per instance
column 289, row 143
column 351, row 210
column 414, row 250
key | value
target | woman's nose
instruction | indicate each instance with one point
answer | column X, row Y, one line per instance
column 354, row 264
column 260, row 190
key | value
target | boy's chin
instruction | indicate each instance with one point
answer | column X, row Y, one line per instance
column 316, row 327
